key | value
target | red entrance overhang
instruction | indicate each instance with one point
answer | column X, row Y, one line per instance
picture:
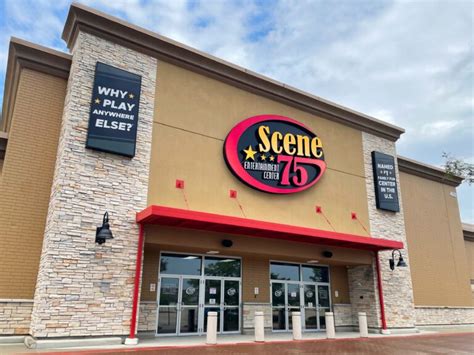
column 175, row 217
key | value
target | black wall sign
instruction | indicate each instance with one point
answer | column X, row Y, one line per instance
column 385, row 180
column 113, row 118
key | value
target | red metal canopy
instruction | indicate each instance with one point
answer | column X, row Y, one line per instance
column 175, row 217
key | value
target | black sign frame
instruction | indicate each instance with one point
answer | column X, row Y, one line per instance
column 385, row 182
column 114, row 108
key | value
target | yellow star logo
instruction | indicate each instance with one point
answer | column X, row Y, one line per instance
column 131, row 96
column 97, row 101
column 250, row 153
column 263, row 157
column 272, row 158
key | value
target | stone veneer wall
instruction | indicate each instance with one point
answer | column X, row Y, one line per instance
column 435, row 315
column 15, row 316
column 343, row 315
column 84, row 289
column 248, row 317
column 397, row 285
column 147, row 316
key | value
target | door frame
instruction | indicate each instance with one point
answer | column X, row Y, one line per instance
column 178, row 304
column 201, row 306
column 221, row 305
column 301, row 286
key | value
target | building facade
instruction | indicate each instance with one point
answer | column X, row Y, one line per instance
column 156, row 134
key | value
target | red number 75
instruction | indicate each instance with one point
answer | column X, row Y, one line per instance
column 301, row 174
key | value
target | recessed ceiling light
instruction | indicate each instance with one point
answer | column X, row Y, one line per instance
column 190, row 257
column 313, row 261
column 212, row 252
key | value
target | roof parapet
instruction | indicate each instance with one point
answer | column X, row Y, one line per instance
column 426, row 171
column 24, row 54
column 84, row 18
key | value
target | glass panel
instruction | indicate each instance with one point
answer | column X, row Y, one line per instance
column 293, row 295
column 278, row 319
column 213, row 292
column 180, row 264
column 167, row 320
column 322, row 318
column 310, row 296
column 221, row 267
column 323, row 296
column 311, row 320
column 315, row 273
column 231, row 293
column 212, row 309
column 280, row 271
column 169, row 291
column 278, row 294
column 231, row 319
column 190, row 292
column 189, row 320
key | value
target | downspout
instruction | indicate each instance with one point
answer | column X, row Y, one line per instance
column 132, row 340
column 379, row 284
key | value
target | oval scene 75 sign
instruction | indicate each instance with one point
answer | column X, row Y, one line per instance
column 275, row 154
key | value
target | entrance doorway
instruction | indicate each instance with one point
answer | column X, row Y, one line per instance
column 190, row 286
column 223, row 296
column 303, row 288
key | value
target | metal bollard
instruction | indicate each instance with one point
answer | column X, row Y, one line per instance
column 330, row 330
column 211, row 335
column 296, row 320
column 259, row 327
column 364, row 332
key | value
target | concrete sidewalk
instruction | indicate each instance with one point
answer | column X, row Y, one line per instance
column 147, row 341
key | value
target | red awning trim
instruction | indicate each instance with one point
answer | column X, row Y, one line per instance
column 175, row 217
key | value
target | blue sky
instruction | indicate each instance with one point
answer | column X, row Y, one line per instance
column 406, row 62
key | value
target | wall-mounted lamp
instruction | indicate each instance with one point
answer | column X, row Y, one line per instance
column 227, row 243
column 327, row 254
column 103, row 232
column 401, row 262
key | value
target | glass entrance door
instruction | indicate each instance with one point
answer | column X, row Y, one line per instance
column 278, row 293
column 310, row 307
column 231, row 306
column 191, row 286
column 286, row 299
column 178, row 309
column 212, row 300
column 324, row 305
column 189, row 306
column 293, row 301
column 223, row 296
column 297, row 287
column 168, row 305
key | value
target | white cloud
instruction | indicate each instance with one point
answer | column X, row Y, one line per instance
column 439, row 129
column 383, row 115
column 409, row 63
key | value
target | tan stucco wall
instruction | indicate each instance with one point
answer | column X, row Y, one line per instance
column 25, row 183
column 194, row 114
column 435, row 243
column 469, row 246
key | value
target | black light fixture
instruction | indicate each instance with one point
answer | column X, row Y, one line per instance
column 227, row 243
column 103, row 232
column 401, row 262
column 327, row 254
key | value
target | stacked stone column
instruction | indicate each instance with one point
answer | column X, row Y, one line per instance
column 85, row 289
column 397, row 284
